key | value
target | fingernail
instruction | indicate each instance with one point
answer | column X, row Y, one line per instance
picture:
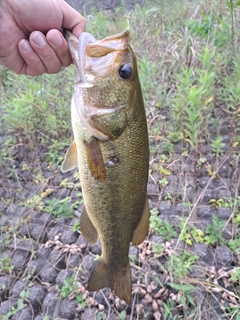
column 39, row 39
column 24, row 44
column 57, row 40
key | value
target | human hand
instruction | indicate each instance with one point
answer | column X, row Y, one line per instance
column 31, row 41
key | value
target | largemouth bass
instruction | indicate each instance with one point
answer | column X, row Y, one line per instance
column 111, row 150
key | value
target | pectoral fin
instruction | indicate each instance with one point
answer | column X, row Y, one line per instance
column 95, row 160
column 141, row 230
column 87, row 228
column 118, row 280
column 70, row 160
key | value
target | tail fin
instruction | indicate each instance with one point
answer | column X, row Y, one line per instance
column 118, row 280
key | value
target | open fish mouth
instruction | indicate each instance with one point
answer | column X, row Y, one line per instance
column 97, row 52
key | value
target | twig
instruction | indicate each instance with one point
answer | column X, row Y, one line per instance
column 109, row 307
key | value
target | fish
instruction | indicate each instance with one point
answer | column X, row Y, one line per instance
column 111, row 151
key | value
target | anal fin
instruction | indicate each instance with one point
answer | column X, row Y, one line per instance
column 118, row 280
column 141, row 230
column 87, row 228
column 70, row 160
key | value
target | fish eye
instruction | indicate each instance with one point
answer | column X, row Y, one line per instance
column 125, row 71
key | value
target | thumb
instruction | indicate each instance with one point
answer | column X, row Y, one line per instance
column 72, row 19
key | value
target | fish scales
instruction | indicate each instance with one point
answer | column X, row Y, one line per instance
column 111, row 146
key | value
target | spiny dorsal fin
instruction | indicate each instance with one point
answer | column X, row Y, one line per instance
column 70, row 160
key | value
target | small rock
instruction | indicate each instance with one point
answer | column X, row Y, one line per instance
column 100, row 296
column 68, row 237
column 88, row 263
column 35, row 266
column 63, row 274
column 203, row 252
column 152, row 191
column 39, row 317
column 223, row 213
column 44, row 219
column 64, row 193
column 67, row 309
column 55, row 231
column 82, row 243
column 221, row 194
column 133, row 253
column 57, row 259
column 227, row 232
column 181, row 210
column 157, row 239
column 24, row 314
column 181, row 245
column 7, row 306
column 37, row 294
column 20, row 259
column 89, row 313
column 203, row 181
column 95, row 248
column 18, row 287
column 12, row 209
column 51, row 305
column 73, row 260
column 48, row 274
column 208, row 195
column 165, row 208
column 44, row 253
column 5, row 283
column 198, row 271
column 25, row 230
column 204, row 211
column 224, row 255
column 4, row 221
column 225, row 171
column 39, row 233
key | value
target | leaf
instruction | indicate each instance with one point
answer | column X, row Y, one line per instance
column 164, row 171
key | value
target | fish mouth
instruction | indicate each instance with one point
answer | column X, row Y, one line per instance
column 77, row 49
column 95, row 52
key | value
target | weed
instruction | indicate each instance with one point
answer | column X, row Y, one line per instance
column 6, row 265
column 235, row 276
column 214, row 232
column 190, row 234
column 180, row 265
column 157, row 249
column 60, row 208
column 76, row 226
column 217, row 146
column 165, row 229
column 168, row 310
column 234, row 245
column 70, row 286
column 122, row 315
column 185, row 297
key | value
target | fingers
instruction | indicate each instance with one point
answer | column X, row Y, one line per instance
column 60, row 46
column 44, row 54
column 33, row 65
